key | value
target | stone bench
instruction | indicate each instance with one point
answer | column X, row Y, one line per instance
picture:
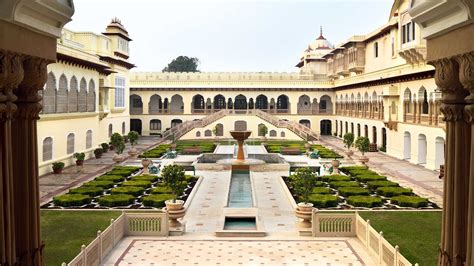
column 290, row 151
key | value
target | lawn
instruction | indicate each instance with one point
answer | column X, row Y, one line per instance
column 417, row 233
column 64, row 232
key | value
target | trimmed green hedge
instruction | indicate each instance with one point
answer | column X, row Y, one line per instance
column 91, row 191
column 393, row 191
column 151, row 178
column 135, row 191
column 376, row 184
column 409, row 201
column 364, row 201
column 161, row 189
column 96, row 183
column 69, row 200
column 331, row 178
column 368, row 178
column 190, row 178
column 326, row 153
column 116, row 200
column 113, row 178
column 319, row 184
column 348, row 169
column 321, row 190
column 156, row 152
column 120, row 172
column 141, row 183
column 352, row 191
column 323, row 201
column 339, row 184
column 156, row 200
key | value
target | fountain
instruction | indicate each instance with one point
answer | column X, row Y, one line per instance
column 240, row 137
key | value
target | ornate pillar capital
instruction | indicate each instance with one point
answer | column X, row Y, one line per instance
column 466, row 78
column 11, row 74
column 447, row 79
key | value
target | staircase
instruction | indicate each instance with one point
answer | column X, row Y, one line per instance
column 300, row 130
column 183, row 128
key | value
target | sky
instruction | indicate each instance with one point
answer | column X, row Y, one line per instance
column 229, row 35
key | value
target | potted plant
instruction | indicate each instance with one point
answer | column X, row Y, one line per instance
column 263, row 131
column 79, row 156
column 335, row 165
column 98, row 153
column 105, row 147
column 145, row 163
column 303, row 182
column 111, row 146
column 348, row 143
column 214, row 131
column 133, row 138
column 58, row 167
column 362, row 144
column 117, row 141
column 174, row 177
column 125, row 138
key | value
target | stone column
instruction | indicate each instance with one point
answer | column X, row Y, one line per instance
column 456, row 182
column 415, row 113
column 25, row 163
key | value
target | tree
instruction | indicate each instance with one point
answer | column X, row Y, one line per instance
column 348, row 140
column 303, row 181
column 362, row 144
column 174, row 177
column 183, row 64
column 117, row 140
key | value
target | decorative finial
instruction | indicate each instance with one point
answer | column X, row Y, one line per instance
column 320, row 30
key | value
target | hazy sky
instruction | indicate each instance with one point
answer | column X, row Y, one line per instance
column 229, row 35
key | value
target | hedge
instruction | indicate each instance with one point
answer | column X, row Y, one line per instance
column 90, row 191
column 409, row 201
column 319, row 184
column 351, row 191
column 141, row 183
column 161, row 189
column 393, row 191
column 113, row 178
column 321, row 190
column 96, row 183
column 190, row 178
column 120, row 172
column 323, row 201
column 135, row 191
column 368, row 178
column 156, row 152
column 364, row 201
column 69, row 200
column 357, row 173
column 156, row 200
column 338, row 184
column 151, row 178
column 331, row 178
column 116, row 200
column 353, row 167
column 376, row 184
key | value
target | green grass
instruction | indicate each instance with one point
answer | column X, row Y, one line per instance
column 65, row 231
column 417, row 233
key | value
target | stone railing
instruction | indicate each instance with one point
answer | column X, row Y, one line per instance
column 127, row 224
column 183, row 128
column 352, row 225
column 300, row 130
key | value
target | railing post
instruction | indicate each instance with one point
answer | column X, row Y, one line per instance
column 84, row 254
column 99, row 235
column 367, row 233
column 395, row 257
column 63, row 264
column 380, row 247
column 113, row 231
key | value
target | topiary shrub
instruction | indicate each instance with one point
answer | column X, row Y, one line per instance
column 140, row 183
column 161, row 189
column 69, row 200
column 376, row 184
column 323, row 201
column 393, row 191
column 113, row 178
column 135, row 191
column 103, row 184
column 91, row 191
column 364, row 201
column 321, row 190
column 338, row 184
column 151, row 178
column 120, row 172
column 351, row 191
column 358, row 172
column 156, row 200
column 116, row 200
column 409, row 201
column 368, row 178
column 331, row 178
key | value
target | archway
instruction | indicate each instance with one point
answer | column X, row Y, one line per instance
column 177, row 104
column 136, row 105
column 283, row 104
column 366, row 131
column 240, row 125
column 325, row 105
column 326, row 127
column 374, row 135
column 304, row 105
column 219, row 102
column 155, row 106
column 406, row 145
column 261, row 102
column 422, row 149
column 358, row 130
column 136, row 125
column 175, row 122
column 198, row 104
column 305, row 122
column 219, row 130
column 439, row 152
column 384, row 138
column 260, row 126
column 240, row 102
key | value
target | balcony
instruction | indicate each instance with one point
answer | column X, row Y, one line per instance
column 103, row 111
column 355, row 67
column 413, row 53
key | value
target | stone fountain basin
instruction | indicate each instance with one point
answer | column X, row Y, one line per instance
column 256, row 162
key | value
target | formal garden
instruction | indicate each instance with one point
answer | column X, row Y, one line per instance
column 193, row 147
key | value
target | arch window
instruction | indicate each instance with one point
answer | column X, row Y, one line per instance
column 62, row 94
column 219, row 102
column 273, row 133
column 89, row 139
column 155, row 105
column 282, row 102
column 240, row 102
column 47, row 149
column 261, row 102
column 91, row 97
column 72, row 96
column 82, row 96
column 49, row 95
column 155, row 124
column 198, row 102
column 70, row 143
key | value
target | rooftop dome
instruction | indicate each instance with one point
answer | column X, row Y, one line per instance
column 321, row 43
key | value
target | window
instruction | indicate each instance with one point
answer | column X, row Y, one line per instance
column 47, row 149
column 322, row 105
column 137, row 102
column 155, row 124
column 70, row 143
column 119, row 92
column 88, row 139
column 408, row 32
column 393, row 46
column 122, row 45
column 376, row 49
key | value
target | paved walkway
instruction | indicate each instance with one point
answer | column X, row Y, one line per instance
column 424, row 182
column 51, row 185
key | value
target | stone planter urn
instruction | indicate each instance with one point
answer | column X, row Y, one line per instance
column 118, row 158
column 335, row 166
column 133, row 152
column 363, row 159
column 349, row 153
column 307, row 146
column 146, row 162
column 175, row 211
column 304, row 211
column 173, row 146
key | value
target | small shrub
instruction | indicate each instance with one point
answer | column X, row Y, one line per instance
column 319, row 184
column 161, row 189
column 102, row 184
column 364, row 201
column 113, row 178
column 190, row 178
column 353, row 191
column 358, row 172
column 376, row 184
column 91, row 191
column 323, row 201
column 368, row 178
column 338, row 184
column 151, row 178
column 393, row 191
column 321, row 190
column 69, row 200
column 156, row 200
column 135, row 191
column 409, row 201
column 58, row 165
column 332, row 178
column 116, row 200
column 141, row 183
column 120, row 172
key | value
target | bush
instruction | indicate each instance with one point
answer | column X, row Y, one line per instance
column 331, row 178
column 103, row 184
column 319, row 184
column 120, row 172
column 358, row 172
column 353, row 167
column 368, row 178
column 376, row 184
column 116, row 200
column 190, row 178
column 151, row 178
column 161, row 189
column 141, row 183
column 338, row 184
column 69, row 200
column 85, row 190
column 351, row 191
column 58, row 165
column 321, row 190
column 393, row 191
column 323, row 201
column 409, row 201
column 364, row 201
column 157, row 200
column 156, row 152
column 135, row 191
column 113, row 178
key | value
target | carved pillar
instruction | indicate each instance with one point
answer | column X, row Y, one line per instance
column 11, row 74
column 456, row 181
column 25, row 163
column 436, row 114
column 414, row 112
column 466, row 77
